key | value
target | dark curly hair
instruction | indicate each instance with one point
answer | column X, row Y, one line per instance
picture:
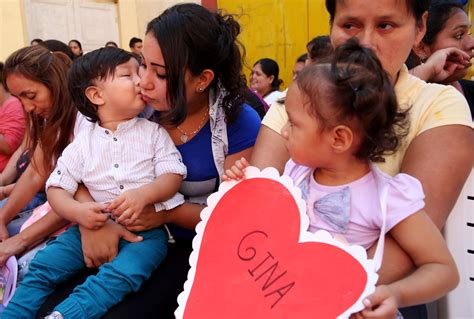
column 191, row 37
column 356, row 87
column 99, row 64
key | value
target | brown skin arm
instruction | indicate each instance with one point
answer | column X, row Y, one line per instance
column 32, row 181
column 9, row 173
column 4, row 146
column 441, row 158
column 31, row 236
column 269, row 150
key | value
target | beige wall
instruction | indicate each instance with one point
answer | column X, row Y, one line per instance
column 12, row 32
column 133, row 17
column 135, row 14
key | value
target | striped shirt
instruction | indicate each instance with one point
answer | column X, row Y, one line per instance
column 109, row 163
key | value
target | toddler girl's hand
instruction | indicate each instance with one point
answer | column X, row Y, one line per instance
column 127, row 207
column 236, row 172
column 382, row 304
column 91, row 215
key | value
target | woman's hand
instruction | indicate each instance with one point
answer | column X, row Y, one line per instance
column 101, row 246
column 444, row 66
column 11, row 247
column 149, row 219
column 3, row 194
column 3, row 229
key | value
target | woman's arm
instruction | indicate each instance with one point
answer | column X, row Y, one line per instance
column 435, row 273
column 4, row 146
column 5, row 191
column 269, row 150
column 187, row 216
column 441, row 158
column 9, row 173
column 31, row 236
column 32, row 181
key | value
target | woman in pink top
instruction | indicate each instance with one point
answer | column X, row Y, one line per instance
column 12, row 124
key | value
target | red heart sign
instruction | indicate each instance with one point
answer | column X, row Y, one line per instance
column 251, row 264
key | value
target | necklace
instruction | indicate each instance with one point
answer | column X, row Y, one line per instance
column 185, row 136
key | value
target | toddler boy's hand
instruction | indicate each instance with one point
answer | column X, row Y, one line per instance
column 91, row 215
column 127, row 207
column 236, row 172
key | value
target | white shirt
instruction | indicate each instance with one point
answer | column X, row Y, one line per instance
column 109, row 163
column 273, row 97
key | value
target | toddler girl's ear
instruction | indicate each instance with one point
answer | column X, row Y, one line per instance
column 94, row 94
column 342, row 139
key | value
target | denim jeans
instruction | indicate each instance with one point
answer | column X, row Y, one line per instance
column 63, row 257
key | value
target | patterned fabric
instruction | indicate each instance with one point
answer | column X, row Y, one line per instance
column 365, row 221
column 334, row 209
column 109, row 163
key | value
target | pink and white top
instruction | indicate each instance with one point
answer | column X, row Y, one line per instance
column 364, row 221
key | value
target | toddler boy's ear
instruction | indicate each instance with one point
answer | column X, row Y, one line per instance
column 94, row 94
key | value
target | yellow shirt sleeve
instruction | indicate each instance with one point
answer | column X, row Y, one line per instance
column 444, row 105
column 276, row 117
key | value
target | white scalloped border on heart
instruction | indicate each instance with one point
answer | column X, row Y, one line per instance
column 322, row 236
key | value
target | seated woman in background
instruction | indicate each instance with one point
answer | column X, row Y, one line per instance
column 12, row 126
column 76, row 48
column 299, row 65
column 21, row 158
column 39, row 79
column 264, row 80
column 447, row 48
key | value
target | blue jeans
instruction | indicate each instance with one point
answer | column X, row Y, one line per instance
column 63, row 258
column 15, row 224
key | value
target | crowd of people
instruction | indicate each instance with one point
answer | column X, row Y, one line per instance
column 107, row 157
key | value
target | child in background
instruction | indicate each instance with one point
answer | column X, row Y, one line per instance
column 343, row 115
column 126, row 163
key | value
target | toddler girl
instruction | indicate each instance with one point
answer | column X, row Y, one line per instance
column 343, row 116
